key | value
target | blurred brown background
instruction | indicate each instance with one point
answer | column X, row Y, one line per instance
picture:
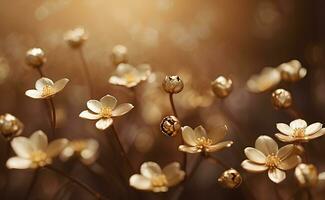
column 197, row 40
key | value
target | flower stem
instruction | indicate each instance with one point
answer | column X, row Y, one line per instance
column 53, row 113
column 39, row 70
column 76, row 181
column 32, row 184
column 86, row 71
column 293, row 113
column 171, row 100
column 216, row 161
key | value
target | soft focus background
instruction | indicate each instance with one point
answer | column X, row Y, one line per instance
column 196, row 40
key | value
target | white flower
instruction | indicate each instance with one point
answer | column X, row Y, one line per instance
column 129, row 76
column 45, row 88
column 267, row 157
column 153, row 178
column 76, row 37
column 266, row 80
column 292, row 71
column 198, row 140
column 299, row 131
column 86, row 149
column 104, row 110
column 34, row 152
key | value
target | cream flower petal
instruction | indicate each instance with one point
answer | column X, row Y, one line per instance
column 266, row 145
column 173, row 174
column 318, row 134
column 253, row 167
column 255, row 155
column 189, row 149
column 188, row 135
column 115, row 80
column 39, row 140
column 40, row 83
column 18, row 163
column 122, row 109
column 285, row 151
column 298, row 123
column 219, row 146
column 276, row 175
column 218, row 133
column 144, row 71
column 104, row 123
column 56, row 147
column 88, row 115
column 284, row 128
column 108, row 101
column 290, row 162
column 200, row 132
column 284, row 138
column 150, row 169
column 22, row 146
column 94, row 106
column 313, row 128
column 34, row 94
column 140, row 182
column 321, row 176
column 123, row 68
column 60, row 84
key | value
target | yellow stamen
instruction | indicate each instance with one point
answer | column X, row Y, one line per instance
column 129, row 77
column 47, row 90
column 272, row 161
column 78, row 145
column 159, row 181
column 299, row 133
column 203, row 142
column 106, row 112
column 39, row 158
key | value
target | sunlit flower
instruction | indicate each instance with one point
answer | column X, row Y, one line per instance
column 198, row 140
column 153, row 178
column 298, row 131
column 266, row 80
column 267, row 156
column 119, row 54
column 230, row 178
column 173, row 84
column 46, row 88
column 35, row 57
column 129, row 76
column 292, row 71
column 222, row 86
column 76, row 37
column 281, row 98
column 85, row 149
column 34, row 152
column 306, row 175
column 104, row 110
column 170, row 126
column 10, row 126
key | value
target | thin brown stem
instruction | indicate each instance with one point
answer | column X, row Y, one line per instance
column 216, row 161
column 76, row 181
column 32, row 184
column 86, row 71
column 39, row 70
column 52, row 108
column 293, row 113
column 171, row 100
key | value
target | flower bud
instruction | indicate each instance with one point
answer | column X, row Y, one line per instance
column 76, row 37
column 230, row 179
column 281, row 99
column 10, row 126
column 173, row 84
column 119, row 54
column 306, row 175
column 292, row 71
column 170, row 126
column 35, row 57
column 221, row 86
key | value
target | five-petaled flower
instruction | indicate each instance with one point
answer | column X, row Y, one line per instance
column 46, row 88
column 298, row 131
column 85, row 149
column 198, row 140
column 104, row 110
column 267, row 156
column 153, row 178
column 34, row 152
column 130, row 76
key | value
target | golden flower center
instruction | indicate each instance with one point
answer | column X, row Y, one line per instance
column 299, row 132
column 129, row 77
column 159, row 181
column 78, row 145
column 39, row 158
column 106, row 112
column 272, row 161
column 47, row 90
column 203, row 142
